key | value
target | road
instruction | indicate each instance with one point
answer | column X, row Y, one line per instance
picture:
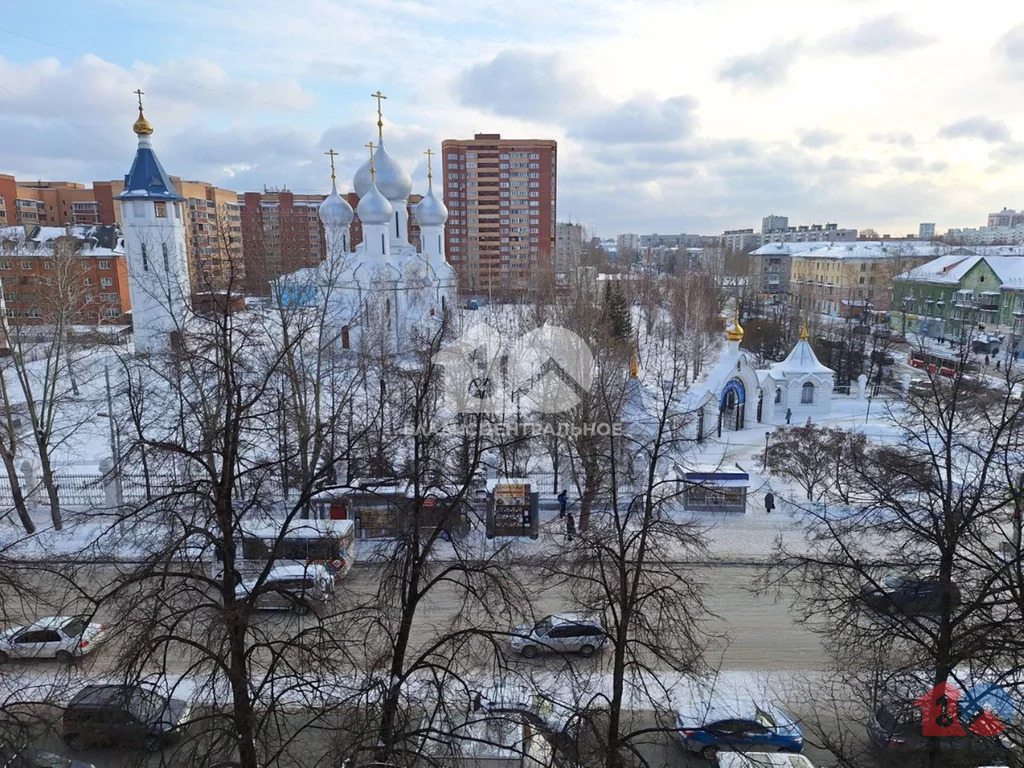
column 748, row 632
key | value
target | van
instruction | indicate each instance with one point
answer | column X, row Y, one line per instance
column 762, row 760
column 558, row 633
column 295, row 588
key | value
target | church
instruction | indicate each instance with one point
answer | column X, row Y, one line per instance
column 734, row 395
column 385, row 290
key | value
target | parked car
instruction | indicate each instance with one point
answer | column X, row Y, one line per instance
column 559, row 633
column 36, row 758
column 63, row 638
column 761, row 760
column 123, row 715
column 296, row 588
column 741, row 724
column 909, row 595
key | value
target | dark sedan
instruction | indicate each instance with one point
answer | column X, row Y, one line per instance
column 909, row 595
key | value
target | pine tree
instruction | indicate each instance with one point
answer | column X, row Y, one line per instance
column 616, row 310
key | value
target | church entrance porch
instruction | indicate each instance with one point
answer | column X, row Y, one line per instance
column 731, row 406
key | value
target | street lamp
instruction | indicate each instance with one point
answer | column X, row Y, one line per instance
column 115, row 442
column 764, row 464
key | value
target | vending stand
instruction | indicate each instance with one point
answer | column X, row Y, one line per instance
column 512, row 508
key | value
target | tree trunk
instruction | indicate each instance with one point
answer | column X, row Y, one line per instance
column 51, row 487
column 16, row 493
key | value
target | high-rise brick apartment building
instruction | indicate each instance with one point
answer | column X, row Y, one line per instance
column 282, row 233
column 501, row 197
column 46, row 203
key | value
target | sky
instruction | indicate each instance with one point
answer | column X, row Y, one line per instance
column 670, row 115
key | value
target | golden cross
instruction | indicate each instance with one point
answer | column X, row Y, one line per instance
column 430, row 170
column 372, row 147
column 380, row 115
column 332, row 155
column 140, row 93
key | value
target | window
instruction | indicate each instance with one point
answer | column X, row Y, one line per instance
column 49, row 264
column 87, row 281
column 807, row 394
column 138, row 209
column 145, row 259
column 104, row 264
column 167, row 260
column 161, row 210
column 26, row 265
column 105, row 282
column 5, row 264
column 111, row 312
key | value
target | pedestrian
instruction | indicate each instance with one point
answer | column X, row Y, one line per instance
column 563, row 499
column 789, row 415
column 986, row 361
column 998, row 363
column 769, row 502
column 808, row 424
column 570, row 526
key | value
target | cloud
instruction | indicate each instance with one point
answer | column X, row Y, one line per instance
column 1009, row 51
column 876, row 37
column 1011, row 153
column 903, row 139
column 641, row 119
column 914, row 164
column 522, row 83
column 976, row 127
column 818, row 138
column 762, row 69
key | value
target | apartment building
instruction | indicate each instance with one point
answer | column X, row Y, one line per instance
column 501, row 197
column 568, row 246
column 35, row 260
column 46, row 203
column 282, row 233
column 844, row 280
column 740, row 240
column 808, row 233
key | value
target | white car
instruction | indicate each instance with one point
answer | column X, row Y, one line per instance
column 762, row 760
column 63, row 638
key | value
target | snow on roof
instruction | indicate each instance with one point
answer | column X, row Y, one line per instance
column 952, row 268
column 801, row 360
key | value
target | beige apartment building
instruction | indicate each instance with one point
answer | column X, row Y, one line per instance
column 845, row 280
column 501, row 196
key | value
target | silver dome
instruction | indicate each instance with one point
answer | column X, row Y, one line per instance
column 392, row 180
column 430, row 211
column 374, row 208
column 335, row 211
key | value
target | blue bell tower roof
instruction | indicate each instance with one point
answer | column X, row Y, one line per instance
column 147, row 180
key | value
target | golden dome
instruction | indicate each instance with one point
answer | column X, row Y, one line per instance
column 142, row 126
column 803, row 332
column 736, row 332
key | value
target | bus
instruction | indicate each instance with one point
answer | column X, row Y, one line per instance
column 330, row 543
column 944, row 366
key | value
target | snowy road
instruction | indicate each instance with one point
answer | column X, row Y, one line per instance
column 749, row 632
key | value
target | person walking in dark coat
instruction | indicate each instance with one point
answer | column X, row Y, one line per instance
column 769, row 502
column 570, row 526
column 789, row 414
column 563, row 499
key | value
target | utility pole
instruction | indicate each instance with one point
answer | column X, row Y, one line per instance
column 115, row 449
column 1018, row 513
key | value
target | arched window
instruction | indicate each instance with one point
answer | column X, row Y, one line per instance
column 778, row 394
column 807, row 395
column 344, row 337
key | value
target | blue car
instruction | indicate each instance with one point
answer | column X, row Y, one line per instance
column 739, row 725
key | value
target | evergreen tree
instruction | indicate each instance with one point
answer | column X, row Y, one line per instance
column 616, row 309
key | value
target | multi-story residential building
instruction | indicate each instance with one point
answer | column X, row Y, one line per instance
column 848, row 279
column 740, row 240
column 46, row 203
column 682, row 240
column 926, row 230
column 1006, row 218
column 627, row 242
column 809, row 233
column 771, row 269
column 501, row 195
column 965, row 292
column 42, row 268
column 773, row 223
column 213, row 230
column 282, row 233
column 568, row 246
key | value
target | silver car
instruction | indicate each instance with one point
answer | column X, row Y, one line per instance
column 559, row 633
column 296, row 588
column 64, row 638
